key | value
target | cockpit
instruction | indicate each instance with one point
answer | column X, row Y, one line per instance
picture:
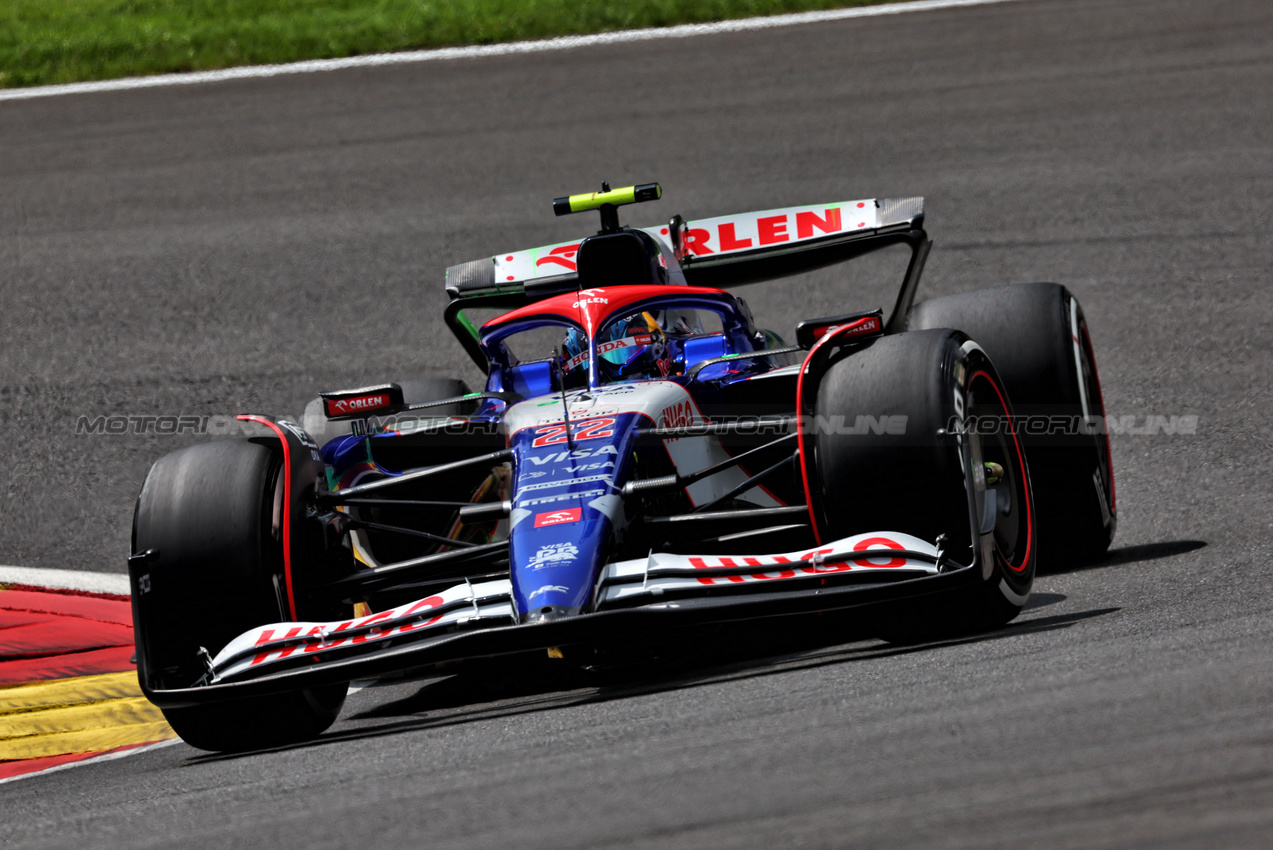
column 668, row 330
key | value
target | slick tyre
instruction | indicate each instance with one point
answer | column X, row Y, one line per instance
column 1037, row 337
column 923, row 476
column 314, row 421
column 210, row 513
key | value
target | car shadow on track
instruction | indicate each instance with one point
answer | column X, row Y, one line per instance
column 502, row 689
column 1127, row 555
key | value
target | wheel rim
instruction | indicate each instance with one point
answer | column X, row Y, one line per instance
column 1013, row 531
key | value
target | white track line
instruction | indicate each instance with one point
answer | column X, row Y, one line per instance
column 480, row 51
column 66, row 580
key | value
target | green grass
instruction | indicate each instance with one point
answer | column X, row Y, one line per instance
column 63, row 41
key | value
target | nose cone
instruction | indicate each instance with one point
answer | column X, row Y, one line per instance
column 565, row 505
column 548, row 613
column 556, row 553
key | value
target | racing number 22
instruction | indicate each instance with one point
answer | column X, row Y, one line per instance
column 584, row 429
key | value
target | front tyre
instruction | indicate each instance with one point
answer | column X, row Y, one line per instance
column 892, row 452
column 211, row 513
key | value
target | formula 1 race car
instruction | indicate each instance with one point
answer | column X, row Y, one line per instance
column 642, row 457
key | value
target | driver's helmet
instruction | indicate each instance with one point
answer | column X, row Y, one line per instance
column 632, row 347
column 574, row 358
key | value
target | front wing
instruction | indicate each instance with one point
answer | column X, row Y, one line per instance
column 478, row 620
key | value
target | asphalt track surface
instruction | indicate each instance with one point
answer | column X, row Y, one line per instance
column 210, row 249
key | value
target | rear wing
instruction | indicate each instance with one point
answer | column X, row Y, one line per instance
column 721, row 252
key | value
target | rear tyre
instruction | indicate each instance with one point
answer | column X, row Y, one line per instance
column 211, row 513
column 916, row 475
column 1037, row 337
